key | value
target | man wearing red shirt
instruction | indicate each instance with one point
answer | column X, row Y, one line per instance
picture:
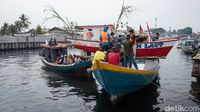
column 114, row 57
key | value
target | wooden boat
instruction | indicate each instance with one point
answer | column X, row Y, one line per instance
column 117, row 80
column 179, row 46
column 196, row 66
column 70, row 69
column 90, row 43
column 160, row 48
column 189, row 46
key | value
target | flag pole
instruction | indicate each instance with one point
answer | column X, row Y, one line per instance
column 150, row 36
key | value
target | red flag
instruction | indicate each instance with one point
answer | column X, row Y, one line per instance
column 150, row 36
column 141, row 31
column 135, row 47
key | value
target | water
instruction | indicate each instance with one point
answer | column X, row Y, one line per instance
column 27, row 86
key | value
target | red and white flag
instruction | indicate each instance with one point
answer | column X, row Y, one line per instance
column 135, row 47
column 141, row 31
column 150, row 36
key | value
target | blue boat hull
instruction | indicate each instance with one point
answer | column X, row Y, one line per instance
column 117, row 80
column 116, row 83
column 70, row 70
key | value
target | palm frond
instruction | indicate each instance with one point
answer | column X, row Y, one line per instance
column 126, row 10
column 55, row 15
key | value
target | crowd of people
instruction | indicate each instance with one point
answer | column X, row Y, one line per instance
column 114, row 50
column 118, row 50
column 52, row 42
column 70, row 59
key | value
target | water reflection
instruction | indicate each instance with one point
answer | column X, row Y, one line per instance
column 195, row 91
column 25, row 86
column 87, row 89
column 141, row 101
column 81, row 86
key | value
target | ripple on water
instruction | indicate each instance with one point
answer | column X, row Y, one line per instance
column 26, row 85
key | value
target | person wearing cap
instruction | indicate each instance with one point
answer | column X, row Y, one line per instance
column 105, row 39
column 128, row 53
column 114, row 56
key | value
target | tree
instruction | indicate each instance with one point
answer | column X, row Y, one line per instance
column 187, row 31
column 39, row 30
column 25, row 23
column 12, row 29
column 4, row 29
column 18, row 25
column 158, row 30
column 174, row 31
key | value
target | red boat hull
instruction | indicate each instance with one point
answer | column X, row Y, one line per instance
column 86, row 48
column 158, row 52
column 145, row 49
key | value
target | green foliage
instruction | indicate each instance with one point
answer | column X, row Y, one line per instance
column 174, row 32
column 39, row 30
column 158, row 30
column 4, row 29
column 24, row 21
column 12, row 29
column 18, row 26
column 187, row 30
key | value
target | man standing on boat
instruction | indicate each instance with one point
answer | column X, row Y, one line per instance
column 105, row 39
column 128, row 52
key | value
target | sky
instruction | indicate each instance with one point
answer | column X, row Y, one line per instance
column 176, row 14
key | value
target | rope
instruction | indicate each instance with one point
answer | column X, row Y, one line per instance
column 171, row 90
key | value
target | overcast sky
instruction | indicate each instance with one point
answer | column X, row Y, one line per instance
column 175, row 13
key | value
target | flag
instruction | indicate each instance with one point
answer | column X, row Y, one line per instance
column 135, row 47
column 129, row 28
column 150, row 36
column 140, row 31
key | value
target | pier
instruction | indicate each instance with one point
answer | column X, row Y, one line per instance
column 196, row 67
column 13, row 43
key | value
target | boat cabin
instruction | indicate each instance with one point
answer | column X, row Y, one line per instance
column 89, row 41
column 51, row 53
column 93, row 32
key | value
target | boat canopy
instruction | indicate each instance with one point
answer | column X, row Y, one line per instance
column 58, row 46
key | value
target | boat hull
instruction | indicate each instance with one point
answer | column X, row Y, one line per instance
column 188, row 49
column 144, row 49
column 69, row 70
column 119, row 80
column 153, row 52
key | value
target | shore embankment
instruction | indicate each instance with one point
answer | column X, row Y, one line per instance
column 20, row 42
